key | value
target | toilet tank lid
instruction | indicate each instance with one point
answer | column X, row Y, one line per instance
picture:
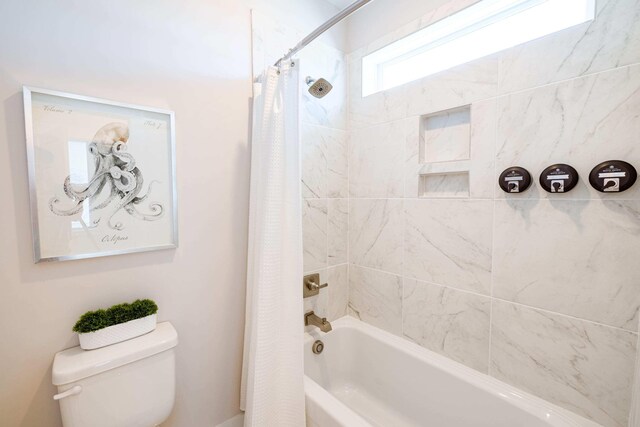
column 75, row 364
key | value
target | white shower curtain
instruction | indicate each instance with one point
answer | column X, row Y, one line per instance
column 272, row 375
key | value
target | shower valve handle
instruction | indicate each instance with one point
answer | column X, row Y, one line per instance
column 313, row 286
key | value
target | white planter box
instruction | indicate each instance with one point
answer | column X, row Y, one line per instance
column 117, row 333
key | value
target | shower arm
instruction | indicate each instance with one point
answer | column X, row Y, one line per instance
column 323, row 28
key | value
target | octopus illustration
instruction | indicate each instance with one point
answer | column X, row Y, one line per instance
column 116, row 182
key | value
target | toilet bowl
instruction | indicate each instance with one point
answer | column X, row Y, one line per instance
column 129, row 384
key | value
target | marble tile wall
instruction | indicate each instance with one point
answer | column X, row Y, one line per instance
column 325, row 180
column 324, row 141
column 324, row 168
column 540, row 291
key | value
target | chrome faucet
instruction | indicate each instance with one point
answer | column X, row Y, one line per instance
column 311, row 318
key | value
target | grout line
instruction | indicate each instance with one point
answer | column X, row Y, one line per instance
column 493, row 232
column 464, row 291
column 348, row 193
column 317, row 270
column 379, row 270
column 499, row 299
column 557, row 82
column 404, row 223
column 491, row 199
column 326, row 149
column 634, row 407
column 490, row 335
column 325, row 127
column 425, row 198
column 320, row 270
column 498, row 96
column 319, row 199
column 544, row 310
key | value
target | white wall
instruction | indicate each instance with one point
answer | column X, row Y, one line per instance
column 192, row 57
column 303, row 16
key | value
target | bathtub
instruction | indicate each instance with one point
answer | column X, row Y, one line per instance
column 368, row 377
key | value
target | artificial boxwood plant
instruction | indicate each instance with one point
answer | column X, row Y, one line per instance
column 120, row 313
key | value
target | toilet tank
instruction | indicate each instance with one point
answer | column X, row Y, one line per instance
column 129, row 384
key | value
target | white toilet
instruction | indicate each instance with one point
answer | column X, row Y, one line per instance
column 129, row 384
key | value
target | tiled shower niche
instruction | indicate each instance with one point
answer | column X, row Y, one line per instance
column 445, row 151
column 446, row 135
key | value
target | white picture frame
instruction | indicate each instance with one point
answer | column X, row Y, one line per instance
column 102, row 176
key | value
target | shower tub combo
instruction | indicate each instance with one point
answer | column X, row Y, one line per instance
column 367, row 377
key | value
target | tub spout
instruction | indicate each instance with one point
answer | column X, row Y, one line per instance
column 310, row 318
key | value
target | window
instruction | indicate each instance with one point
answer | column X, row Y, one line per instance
column 482, row 29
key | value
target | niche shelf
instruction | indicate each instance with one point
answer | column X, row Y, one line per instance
column 444, row 179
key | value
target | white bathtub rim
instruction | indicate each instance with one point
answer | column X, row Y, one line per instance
column 541, row 408
column 339, row 413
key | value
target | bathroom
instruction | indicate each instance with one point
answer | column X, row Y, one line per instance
column 414, row 157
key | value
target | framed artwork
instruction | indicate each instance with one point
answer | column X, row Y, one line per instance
column 102, row 176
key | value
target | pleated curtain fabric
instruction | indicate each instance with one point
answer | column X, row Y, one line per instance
column 272, row 378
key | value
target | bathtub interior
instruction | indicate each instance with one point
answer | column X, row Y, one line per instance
column 389, row 381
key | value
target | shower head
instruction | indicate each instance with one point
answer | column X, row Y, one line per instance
column 318, row 88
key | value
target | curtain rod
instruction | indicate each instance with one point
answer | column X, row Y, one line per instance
column 322, row 28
